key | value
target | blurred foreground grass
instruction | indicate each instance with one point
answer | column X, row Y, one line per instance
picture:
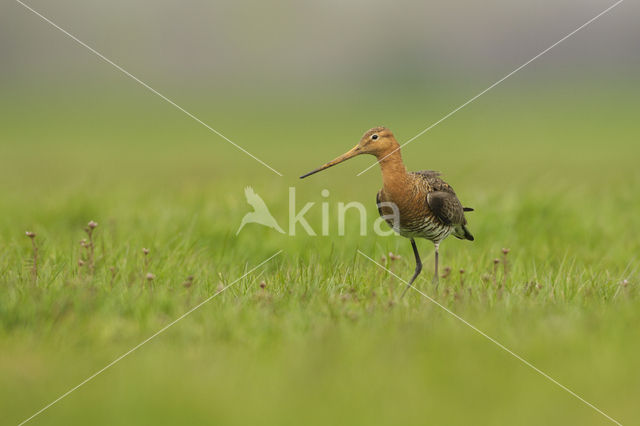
column 552, row 175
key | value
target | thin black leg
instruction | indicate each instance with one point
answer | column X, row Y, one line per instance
column 418, row 266
column 435, row 275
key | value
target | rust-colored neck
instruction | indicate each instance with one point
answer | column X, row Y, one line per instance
column 393, row 171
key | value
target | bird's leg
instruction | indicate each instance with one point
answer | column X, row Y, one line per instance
column 418, row 266
column 435, row 275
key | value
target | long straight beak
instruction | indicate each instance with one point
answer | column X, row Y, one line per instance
column 349, row 154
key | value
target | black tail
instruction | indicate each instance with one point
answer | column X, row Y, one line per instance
column 467, row 234
column 467, row 209
column 462, row 233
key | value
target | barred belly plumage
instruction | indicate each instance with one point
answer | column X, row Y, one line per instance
column 429, row 228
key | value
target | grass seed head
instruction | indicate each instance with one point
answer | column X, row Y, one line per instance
column 263, row 284
column 150, row 276
column 92, row 224
column 30, row 234
column 145, row 251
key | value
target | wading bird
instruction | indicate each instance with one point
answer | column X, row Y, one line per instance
column 414, row 204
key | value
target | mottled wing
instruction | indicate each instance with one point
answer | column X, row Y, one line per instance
column 429, row 174
column 442, row 199
column 444, row 204
column 446, row 207
column 435, row 182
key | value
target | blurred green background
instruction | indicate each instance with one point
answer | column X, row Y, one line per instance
column 549, row 160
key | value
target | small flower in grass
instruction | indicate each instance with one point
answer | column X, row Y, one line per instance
column 494, row 276
column 447, row 272
column 263, row 284
column 624, row 283
column 147, row 260
column 188, row 282
column 505, row 274
column 150, row 276
column 394, row 256
column 89, row 246
column 34, row 248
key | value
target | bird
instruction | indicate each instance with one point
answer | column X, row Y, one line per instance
column 415, row 204
column 260, row 214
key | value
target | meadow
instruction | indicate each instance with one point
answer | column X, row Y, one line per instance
column 318, row 335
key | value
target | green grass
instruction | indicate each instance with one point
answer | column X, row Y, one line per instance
column 328, row 340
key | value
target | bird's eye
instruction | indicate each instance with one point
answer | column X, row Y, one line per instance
column 374, row 137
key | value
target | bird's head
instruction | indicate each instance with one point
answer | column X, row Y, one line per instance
column 378, row 141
